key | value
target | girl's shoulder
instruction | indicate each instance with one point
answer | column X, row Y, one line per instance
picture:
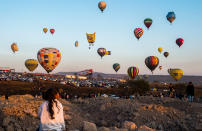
column 59, row 103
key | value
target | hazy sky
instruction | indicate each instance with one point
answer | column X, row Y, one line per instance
column 22, row 21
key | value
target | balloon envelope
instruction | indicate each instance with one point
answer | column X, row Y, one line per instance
column 76, row 44
column 171, row 16
column 175, row 73
column 148, row 22
column 45, row 30
column 138, row 32
column 133, row 72
column 101, row 52
column 102, row 5
column 152, row 62
column 116, row 66
column 31, row 64
column 179, row 41
column 52, row 31
column 160, row 50
column 166, row 54
column 49, row 58
column 14, row 47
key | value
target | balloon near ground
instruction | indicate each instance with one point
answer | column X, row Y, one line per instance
column 14, row 47
column 133, row 72
column 45, row 30
column 101, row 52
column 49, row 58
column 138, row 32
column 52, row 31
column 175, row 73
column 160, row 50
column 179, row 41
column 102, row 5
column 116, row 67
column 31, row 64
column 171, row 17
column 148, row 22
column 152, row 62
column 166, row 54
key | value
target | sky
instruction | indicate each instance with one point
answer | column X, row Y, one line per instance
column 22, row 21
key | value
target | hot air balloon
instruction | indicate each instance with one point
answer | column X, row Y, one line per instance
column 76, row 44
column 31, row 64
column 138, row 32
column 102, row 5
column 91, row 39
column 166, row 54
column 49, row 58
column 132, row 72
column 148, row 22
column 52, row 31
column 160, row 67
column 14, row 47
column 160, row 50
column 101, row 51
column 116, row 67
column 171, row 16
column 152, row 62
column 45, row 30
column 175, row 73
column 179, row 41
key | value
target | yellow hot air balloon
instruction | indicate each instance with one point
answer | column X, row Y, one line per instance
column 102, row 5
column 31, row 64
column 45, row 30
column 91, row 39
column 76, row 44
column 14, row 47
column 108, row 53
column 49, row 58
column 175, row 73
column 160, row 50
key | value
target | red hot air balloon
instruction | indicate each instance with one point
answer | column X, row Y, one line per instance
column 152, row 62
column 179, row 41
column 133, row 72
column 166, row 54
column 52, row 31
column 138, row 32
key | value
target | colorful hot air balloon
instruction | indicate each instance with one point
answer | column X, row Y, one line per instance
column 49, row 58
column 179, row 41
column 116, row 66
column 101, row 51
column 160, row 67
column 148, row 22
column 31, row 64
column 45, row 30
column 152, row 62
column 14, row 47
column 91, row 39
column 166, row 54
column 171, row 16
column 175, row 73
column 102, row 5
column 76, row 44
column 160, row 50
column 132, row 72
column 108, row 53
column 52, row 31
column 138, row 32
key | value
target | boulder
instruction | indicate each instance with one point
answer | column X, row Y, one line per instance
column 103, row 129
column 145, row 128
column 129, row 125
column 88, row 126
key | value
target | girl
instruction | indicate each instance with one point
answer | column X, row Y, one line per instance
column 51, row 112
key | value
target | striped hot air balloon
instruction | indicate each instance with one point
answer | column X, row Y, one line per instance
column 138, row 32
column 116, row 67
column 152, row 62
column 133, row 72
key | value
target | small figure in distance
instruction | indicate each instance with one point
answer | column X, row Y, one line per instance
column 51, row 112
column 190, row 92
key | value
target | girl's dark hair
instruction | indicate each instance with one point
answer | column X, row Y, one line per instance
column 50, row 97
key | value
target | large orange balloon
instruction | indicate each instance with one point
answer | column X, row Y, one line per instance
column 45, row 30
column 49, row 58
column 102, row 5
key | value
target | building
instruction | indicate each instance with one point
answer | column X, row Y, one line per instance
column 6, row 69
column 74, row 77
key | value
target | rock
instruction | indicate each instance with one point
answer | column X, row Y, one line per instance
column 88, row 126
column 145, row 128
column 103, row 123
column 160, row 127
column 103, row 129
column 9, row 128
column 129, row 125
column 117, row 129
column 6, row 121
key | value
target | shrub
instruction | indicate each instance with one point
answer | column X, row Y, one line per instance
column 138, row 86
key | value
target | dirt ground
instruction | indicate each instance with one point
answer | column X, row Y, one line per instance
column 20, row 113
